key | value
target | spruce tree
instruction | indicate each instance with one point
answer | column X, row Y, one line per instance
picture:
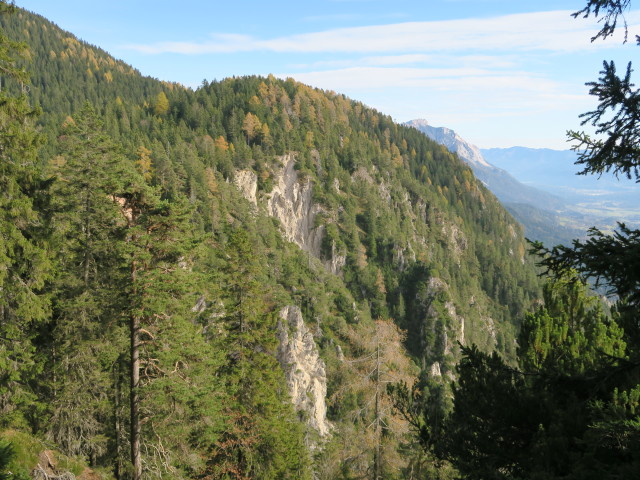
column 125, row 269
column 612, row 259
column 25, row 265
column 87, row 334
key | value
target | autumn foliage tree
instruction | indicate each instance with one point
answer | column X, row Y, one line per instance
column 378, row 361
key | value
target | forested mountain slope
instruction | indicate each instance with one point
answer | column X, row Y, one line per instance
column 235, row 273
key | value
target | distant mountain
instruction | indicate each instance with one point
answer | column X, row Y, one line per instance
column 454, row 142
column 503, row 185
column 539, row 167
column 541, row 187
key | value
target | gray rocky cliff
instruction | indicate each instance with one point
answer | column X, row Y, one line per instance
column 291, row 202
column 304, row 369
column 247, row 182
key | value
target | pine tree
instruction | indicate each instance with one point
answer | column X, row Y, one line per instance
column 156, row 235
column 126, row 254
column 536, row 421
column 612, row 259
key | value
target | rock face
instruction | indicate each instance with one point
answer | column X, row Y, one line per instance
column 304, row 369
column 337, row 262
column 291, row 202
column 247, row 182
column 450, row 139
column 456, row 330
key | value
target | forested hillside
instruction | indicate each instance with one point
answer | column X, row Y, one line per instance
column 221, row 282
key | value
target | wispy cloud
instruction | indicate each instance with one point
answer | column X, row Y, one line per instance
column 470, row 92
column 445, row 79
column 343, row 17
column 542, row 31
column 417, row 59
column 380, row 60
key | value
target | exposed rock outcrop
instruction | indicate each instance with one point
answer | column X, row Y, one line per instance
column 336, row 263
column 291, row 202
column 247, row 182
column 443, row 344
column 304, row 369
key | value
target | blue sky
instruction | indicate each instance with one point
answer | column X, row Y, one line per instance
column 499, row 72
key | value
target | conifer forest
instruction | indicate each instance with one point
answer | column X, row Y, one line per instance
column 256, row 279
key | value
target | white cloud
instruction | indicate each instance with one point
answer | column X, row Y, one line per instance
column 398, row 59
column 430, row 60
column 446, row 79
column 381, row 60
column 461, row 93
column 343, row 17
column 553, row 31
column 222, row 43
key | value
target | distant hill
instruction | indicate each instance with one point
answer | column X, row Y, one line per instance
column 541, row 188
column 537, row 210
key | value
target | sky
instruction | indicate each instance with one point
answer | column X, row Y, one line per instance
column 499, row 72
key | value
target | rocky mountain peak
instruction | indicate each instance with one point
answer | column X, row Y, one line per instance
column 450, row 139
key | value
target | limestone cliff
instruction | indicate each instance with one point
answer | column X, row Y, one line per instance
column 304, row 369
column 247, row 182
column 290, row 201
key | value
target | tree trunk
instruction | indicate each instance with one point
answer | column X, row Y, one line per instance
column 377, row 460
column 87, row 235
column 118, row 379
column 135, row 385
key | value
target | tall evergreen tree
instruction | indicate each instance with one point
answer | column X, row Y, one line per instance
column 255, row 380
column 87, row 337
column 125, row 254
column 536, row 421
column 153, row 250
column 25, row 266
column 612, row 259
